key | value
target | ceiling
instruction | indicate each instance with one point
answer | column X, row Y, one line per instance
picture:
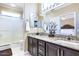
column 18, row 6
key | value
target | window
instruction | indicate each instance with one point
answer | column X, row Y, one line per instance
column 47, row 6
column 10, row 14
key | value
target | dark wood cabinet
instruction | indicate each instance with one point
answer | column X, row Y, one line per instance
column 69, row 52
column 52, row 50
column 32, row 46
column 37, row 47
column 57, row 50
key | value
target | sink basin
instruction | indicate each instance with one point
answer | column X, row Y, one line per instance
column 41, row 34
column 62, row 42
column 74, row 41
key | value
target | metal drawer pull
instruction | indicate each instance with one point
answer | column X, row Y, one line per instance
column 40, row 51
column 40, row 43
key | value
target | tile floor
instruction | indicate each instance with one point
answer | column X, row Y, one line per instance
column 17, row 51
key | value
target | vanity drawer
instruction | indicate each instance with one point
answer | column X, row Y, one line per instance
column 41, row 43
column 41, row 50
column 41, row 47
column 40, row 55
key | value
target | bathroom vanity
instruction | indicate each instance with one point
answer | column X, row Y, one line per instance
column 67, row 24
column 51, row 46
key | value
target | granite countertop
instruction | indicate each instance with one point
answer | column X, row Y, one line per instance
column 58, row 40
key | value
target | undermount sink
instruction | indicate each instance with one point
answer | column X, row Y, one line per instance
column 66, row 42
column 41, row 34
column 75, row 41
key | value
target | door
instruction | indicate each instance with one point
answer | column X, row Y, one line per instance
column 52, row 50
column 30, row 45
column 69, row 52
column 34, row 46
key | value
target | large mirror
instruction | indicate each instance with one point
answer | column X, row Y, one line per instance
column 67, row 24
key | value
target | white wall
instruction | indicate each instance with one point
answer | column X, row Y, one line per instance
column 29, row 11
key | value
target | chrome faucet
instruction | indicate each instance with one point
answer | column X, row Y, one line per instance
column 70, row 37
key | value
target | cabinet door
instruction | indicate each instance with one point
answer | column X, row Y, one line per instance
column 69, row 52
column 30, row 45
column 34, row 47
column 52, row 50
